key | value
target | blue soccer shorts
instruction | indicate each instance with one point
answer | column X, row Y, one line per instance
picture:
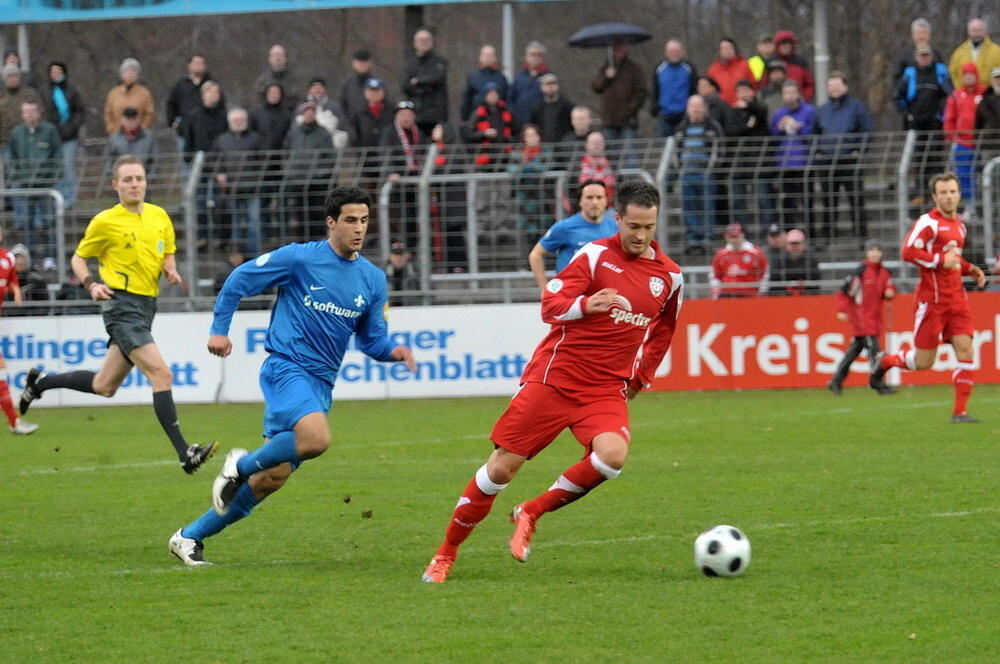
column 290, row 393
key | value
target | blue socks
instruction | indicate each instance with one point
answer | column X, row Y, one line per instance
column 278, row 450
column 210, row 523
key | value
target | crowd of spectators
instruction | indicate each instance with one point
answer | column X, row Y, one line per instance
column 525, row 126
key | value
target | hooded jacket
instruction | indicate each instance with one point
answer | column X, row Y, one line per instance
column 921, row 94
column 727, row 74
column 69, row 130
column 960, row 110
column 796, row 68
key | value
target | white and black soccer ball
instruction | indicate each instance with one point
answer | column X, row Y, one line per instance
column 722, row 551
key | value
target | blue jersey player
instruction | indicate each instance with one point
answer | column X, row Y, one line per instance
column 326, row 293
column 565, row 237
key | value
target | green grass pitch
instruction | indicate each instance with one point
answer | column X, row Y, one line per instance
column 873, row 523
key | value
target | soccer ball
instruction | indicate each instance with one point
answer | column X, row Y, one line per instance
column 722, row 551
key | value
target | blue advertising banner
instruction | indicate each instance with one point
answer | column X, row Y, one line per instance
column 40, row 11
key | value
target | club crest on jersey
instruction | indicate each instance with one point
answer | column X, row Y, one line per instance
column 554, row 286
column 656, row 286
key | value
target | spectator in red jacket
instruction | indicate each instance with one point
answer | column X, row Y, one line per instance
column 728, row 69
column 739, row 267
column 859, row 302
column 796, row 68
column 960, row 125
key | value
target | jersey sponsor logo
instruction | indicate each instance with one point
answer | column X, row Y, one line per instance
column 611, row 266
column 263, row 259
column 554, row 286
column 329, row 308
column 656, row 286
column 621, row 312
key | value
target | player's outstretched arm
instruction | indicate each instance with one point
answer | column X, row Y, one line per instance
column 536, row 261
column 219, row 344
column 405, row 355
column 372, row 331
column 565, row 297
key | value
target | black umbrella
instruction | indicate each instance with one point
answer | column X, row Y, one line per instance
column 600, row 35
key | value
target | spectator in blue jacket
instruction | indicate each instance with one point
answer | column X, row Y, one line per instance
column 793, row 120
column 673, row 82
column 843, row 124
column 526, row 90
column 920, row 95
column 475, row 85
column 697, row 137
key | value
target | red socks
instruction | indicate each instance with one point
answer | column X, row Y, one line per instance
column 475, row 503
column 5, row 403
column 963, row 380
column 572, row 485
column 904, row 359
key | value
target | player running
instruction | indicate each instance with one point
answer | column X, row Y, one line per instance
column 10, row 283
column 859, row 302
column 564, row 238
column 934, row 244
column 326, row 292
column 133, row 243
column 613, row 311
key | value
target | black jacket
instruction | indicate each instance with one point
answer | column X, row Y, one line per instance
column 552, row 118
column 271, row 121
column 229, row 156
column 201, row 126
column 429, row 92
column 366, row 130
column 184, row 97
column 77, row 112
column 749, row 121
column 352, row 93
column 988, row 112
column 395, row 157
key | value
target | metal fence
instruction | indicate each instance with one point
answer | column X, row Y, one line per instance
column 468, row 215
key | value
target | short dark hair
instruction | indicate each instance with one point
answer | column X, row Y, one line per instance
column 341, row 196
column 639, row 193
column 586, row 183
column 943, row 177
column 837, row 73
column 196, row 55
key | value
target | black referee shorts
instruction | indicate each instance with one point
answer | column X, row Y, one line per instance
column 128, row 319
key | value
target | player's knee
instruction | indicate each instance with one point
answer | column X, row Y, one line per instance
column 311, row 444
column 104, row 389
column 161, row 377
column 610, row 457
column 922, row 363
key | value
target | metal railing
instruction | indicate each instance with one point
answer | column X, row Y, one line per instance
column 468, row 214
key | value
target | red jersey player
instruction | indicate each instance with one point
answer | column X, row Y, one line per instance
column 935, row 244
column 739, row 262
column 613, row 311
column 10, row 283
column 859, row 302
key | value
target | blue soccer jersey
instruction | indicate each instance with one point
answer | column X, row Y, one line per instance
column 322, row 300
column 565, row 237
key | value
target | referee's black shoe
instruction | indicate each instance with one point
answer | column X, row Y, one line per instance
column 876, row 380
column 197, row 455
column 30, row 392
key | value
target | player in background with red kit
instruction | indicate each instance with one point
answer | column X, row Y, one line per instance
column 738, row 262
column 613, row 311
column 859, row 302
column 9, row 283
column 935, row 244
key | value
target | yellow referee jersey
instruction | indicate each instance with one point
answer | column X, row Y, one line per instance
column 130, row 247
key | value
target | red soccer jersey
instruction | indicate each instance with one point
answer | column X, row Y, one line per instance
column 603, row 353
column 931, row 235
column 8, row 275
column 748, row 264
column 861, row 298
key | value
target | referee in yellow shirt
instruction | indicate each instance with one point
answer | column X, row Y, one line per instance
column 133, row 243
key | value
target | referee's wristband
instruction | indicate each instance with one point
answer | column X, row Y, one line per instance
column 88, row 281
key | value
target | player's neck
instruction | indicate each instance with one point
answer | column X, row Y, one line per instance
column 135, row 208
column 346, row 253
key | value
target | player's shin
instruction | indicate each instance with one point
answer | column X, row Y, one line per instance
column 905, row 359
column 78, row 381
column 7, row 404
column 210, row 522
column 963, row 379
column 166, row 413
column 473, row 506
column 573, row 484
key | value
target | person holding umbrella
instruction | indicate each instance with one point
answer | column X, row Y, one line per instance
column 620, row 82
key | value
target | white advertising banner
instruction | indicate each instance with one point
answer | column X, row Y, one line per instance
column 460, row 351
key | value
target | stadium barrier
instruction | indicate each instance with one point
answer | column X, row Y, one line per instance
column 481, row 350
